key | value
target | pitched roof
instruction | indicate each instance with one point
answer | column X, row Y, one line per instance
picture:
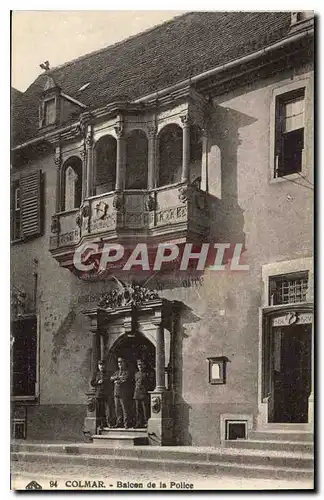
column 155, row 59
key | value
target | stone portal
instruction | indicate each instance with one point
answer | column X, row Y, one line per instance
column 133, row 323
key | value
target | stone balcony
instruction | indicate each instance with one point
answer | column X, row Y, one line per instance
column 175, row 213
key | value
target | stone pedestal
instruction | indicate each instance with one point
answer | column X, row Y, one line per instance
column 91, row 419
column 160, row 425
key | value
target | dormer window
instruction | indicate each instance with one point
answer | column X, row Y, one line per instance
column 49, row 109
column 49, row 112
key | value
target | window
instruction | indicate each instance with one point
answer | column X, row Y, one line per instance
column 49, row 111
column 288, row 289
column 71, row 184
column 24, row 357
column 26, row 204
column 136, row 160
column 16, row 219
column 170, row 155
column 289, row 140
column 105, row 154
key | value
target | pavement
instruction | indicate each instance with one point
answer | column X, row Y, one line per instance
column 81, row 478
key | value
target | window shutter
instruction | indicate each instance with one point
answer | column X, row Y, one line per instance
column 30, row 193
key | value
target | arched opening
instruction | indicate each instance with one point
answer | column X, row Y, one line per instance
column 136, row 160
column 196, row 150
column 132, row 348
column 71, row 183
column 170, row 155
column 105, row 164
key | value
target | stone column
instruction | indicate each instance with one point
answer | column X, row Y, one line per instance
column 89, row 166
column 58, row 163
column 160, row 359
column 84, row 172
column 151, row 181
column 91, row 419
column 204, row 170
column 185, row 148
column 120, row 157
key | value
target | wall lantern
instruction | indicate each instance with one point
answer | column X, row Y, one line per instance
column 217, row 370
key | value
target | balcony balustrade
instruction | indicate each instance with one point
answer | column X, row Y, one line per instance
column 174, row 213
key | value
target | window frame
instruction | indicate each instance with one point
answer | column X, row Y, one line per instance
column 275, row 279
column 283, row 93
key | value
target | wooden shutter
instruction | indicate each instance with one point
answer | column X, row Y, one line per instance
column 31, row 197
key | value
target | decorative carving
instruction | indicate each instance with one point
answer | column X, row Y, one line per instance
column 58, row 158
column 183, row 194
column 101, row 209
column 150, row 203
column 292, row 317
column 91, row 403
column 78, row 220
column 127, row 295
column 85, row 211
column 55, row 226
column 156, row 404
column 185, row 120
column 89, row 138
column 83, row 153
column 151, row 132
column 118, row 201
column 119, row 130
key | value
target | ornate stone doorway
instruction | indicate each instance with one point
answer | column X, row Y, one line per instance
column 135, row 322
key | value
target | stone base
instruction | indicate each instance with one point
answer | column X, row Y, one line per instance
column 120, row 438
column 160, row 425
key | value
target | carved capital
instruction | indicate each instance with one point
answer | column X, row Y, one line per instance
column 89, row 139
column 58, row 157
column 119, row 130
column 152, row 132
column 185, row 120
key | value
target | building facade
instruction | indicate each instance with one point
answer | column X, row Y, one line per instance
column 197, row 131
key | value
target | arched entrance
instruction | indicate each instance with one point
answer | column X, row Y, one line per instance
column 131, row 348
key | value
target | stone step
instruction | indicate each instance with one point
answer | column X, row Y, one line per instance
column 216, row 467
column 188, row 455
column 266, row 444
column 119, row 440
column 282, row 435
column 109, row 431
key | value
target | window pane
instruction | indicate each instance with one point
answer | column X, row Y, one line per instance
column 50, row 112
column 295, row 107
column 288, row 289
column 293, row 123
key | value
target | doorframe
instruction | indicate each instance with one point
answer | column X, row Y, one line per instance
column 266, row 314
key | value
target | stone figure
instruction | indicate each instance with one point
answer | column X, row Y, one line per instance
column 122, row 394
column 103, row 387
